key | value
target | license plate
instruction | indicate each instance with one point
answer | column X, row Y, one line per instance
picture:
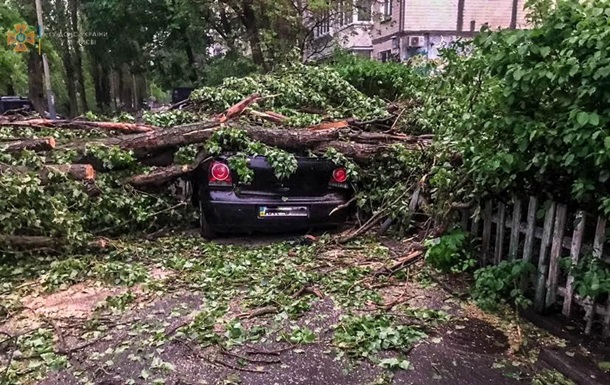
column 282, row 211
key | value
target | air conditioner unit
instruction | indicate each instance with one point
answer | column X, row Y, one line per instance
column 416, row 41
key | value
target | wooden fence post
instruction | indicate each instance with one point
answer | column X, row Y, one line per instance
column 574, row 256
column 486, row 232
column 556, row 249
column 530, row 232
column 513, row 246
column 598, row 250
column 499, row 249
column 543, row 257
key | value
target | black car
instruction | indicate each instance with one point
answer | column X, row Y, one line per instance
column 307, row 199
column 15, row 103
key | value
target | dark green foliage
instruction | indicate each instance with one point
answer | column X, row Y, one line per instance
column 449, row 252
column 591, row 277
column 528, row 110
column 230, row 65
column 292, row 89
column 64, row 210
column 364, row 336
column 495, row 285
column 390, row 81
column 389, row 182
column 236, row 142
column 170, row 118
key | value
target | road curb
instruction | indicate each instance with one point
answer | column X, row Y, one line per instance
column 576, row 367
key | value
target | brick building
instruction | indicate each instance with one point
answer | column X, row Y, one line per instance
column 347, row 25
column 405, row 28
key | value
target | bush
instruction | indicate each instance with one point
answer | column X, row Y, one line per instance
column 495, row 284
column 389, row 81
column 230, row 65
column 528, row 110
column 448, row 253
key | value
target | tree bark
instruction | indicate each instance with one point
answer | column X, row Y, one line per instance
column 78, row 57
column 513, row 15
column 32, row 242
column 288, row 139
column 159, row 176
column 35, row 83
column 101, row 81
column 250, row 22
column 80, row 172
column 63, row 41
column 42, row 144
column 79, row 124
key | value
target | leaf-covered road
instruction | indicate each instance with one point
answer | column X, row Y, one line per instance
column 182, row 311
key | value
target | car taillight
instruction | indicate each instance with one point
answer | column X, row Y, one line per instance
column 340, row 175
column 339, row 178
column 220, row 174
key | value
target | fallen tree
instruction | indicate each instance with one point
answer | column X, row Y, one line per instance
column 79, row 172
column 78, row 125
column 288, row 139
column 16, row 146
column 32, row 242
column 367, row 138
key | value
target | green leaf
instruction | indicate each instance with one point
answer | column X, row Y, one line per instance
column 582, row 118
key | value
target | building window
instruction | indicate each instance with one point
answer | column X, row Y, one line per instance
column 348, row 11
column 345, row 12
column 323, row 26
column 395, row 43
column 364, row 10
column 385, row 56
column 387, row 8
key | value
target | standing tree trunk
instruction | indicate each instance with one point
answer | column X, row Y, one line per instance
column 101, row 81
column 78, row 57
column 10, row 88
column 513, row 16
column 35, row 83
column 249, row 20
column 62, row 24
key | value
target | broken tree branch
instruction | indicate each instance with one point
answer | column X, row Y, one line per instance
column 406, row 261
column 258, row 312
column 42, row 144
column 80, row 172
column 31, row 242
column 81, row 124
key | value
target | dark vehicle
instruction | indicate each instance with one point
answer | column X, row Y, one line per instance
column 16, row 104
column 180, row 94
column 305, row 200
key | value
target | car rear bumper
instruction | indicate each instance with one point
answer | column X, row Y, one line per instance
column 226, row 211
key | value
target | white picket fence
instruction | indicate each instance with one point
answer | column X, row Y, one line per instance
column 544, row 243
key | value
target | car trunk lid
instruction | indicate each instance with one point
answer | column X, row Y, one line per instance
column 310, row 179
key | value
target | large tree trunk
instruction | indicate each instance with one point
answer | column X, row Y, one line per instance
column 10, row 88
column 35, row 82
column 361, row 146
column 42, row 144
column 101, row 81
column 81, row 172
column 513, row 15
column 78, row 57
column 128, row 128
column 62, row 24
column 70, row 77
column 250, row 22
